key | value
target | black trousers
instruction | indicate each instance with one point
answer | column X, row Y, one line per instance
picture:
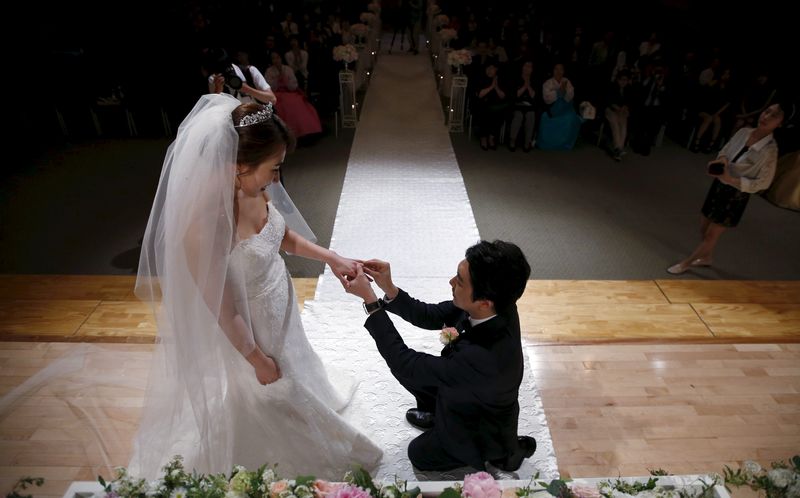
column 426, row 453
column 647, row 125
column 426, row 398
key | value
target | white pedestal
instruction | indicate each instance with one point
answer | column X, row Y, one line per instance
column 348, row 107
column 458, row 101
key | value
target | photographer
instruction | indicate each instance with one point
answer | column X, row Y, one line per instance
column 745, row 165
column 225, row 76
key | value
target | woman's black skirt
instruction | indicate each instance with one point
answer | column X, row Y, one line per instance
column 724, row 204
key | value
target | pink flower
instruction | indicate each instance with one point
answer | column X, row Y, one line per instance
column 324, row 488
column 583, row 491
column 448, row 335
column 278, row 487
column 481, row 485
column 510, row 493
column 350, row 491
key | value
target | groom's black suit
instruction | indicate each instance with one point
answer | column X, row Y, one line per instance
column 472, row 387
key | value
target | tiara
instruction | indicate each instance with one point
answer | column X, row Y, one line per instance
column 257, row 117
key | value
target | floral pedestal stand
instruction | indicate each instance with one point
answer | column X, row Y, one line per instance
column 457, row 107
column 348, row 107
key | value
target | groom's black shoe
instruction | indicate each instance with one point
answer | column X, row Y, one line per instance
column 420, row 419
column 526, row 445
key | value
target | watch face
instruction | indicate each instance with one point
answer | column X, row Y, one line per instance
column 369, row 308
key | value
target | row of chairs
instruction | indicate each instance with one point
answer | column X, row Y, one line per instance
column 600, row 134
column 104, row 108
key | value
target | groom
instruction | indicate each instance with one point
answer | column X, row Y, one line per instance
column 467, row 397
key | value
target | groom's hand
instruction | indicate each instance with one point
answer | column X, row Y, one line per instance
column 360, row 286
column 381, row 272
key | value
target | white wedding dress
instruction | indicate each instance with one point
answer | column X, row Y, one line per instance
column 294, row 421
column 215, row 300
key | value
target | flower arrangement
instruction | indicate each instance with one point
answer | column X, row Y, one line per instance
column 368, row 17
column 345, row 53
column 22, row 485
column 447, row 34
column 448, row 335
column 623, row 488
column 459, row 58
column 781, row 481
column 441, row 20
column 241, row 483
column 359, row 29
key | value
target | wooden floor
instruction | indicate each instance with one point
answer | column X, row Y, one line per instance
column 686, row 408
column 104, row 309
column 83, row 308
column 624, row 379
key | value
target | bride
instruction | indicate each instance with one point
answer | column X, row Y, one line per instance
column 234, row 380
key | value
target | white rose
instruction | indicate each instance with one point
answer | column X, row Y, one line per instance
column 751, row 467
column 781, row 478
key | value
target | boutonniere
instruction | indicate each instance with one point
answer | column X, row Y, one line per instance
column 448, row 335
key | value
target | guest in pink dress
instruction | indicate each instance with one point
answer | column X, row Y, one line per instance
column 293, row 105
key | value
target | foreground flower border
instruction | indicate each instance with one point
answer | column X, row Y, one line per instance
column 782, row 480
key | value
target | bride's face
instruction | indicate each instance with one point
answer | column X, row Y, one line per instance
column 254, row 181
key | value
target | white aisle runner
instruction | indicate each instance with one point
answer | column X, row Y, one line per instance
column 403, row 201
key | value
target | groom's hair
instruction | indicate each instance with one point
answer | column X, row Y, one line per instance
column 499, row 272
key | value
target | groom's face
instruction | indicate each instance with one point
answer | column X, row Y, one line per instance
column 462, row 287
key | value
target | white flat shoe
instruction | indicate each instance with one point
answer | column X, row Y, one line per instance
column 677, row 269
column 700, row 262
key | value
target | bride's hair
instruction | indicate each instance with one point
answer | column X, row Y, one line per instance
column 260, row 140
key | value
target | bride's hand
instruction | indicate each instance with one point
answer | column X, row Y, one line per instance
column 267, row 370
column 344, row 268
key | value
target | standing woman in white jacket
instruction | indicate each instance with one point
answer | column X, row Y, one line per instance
column 744, row 166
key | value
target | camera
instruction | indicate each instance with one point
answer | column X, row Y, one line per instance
column 231, row 79
column 716, row 168
column 218, row 62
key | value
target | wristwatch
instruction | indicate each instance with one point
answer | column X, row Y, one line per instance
column 373, row 307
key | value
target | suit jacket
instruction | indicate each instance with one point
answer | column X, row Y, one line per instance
column 477, row 377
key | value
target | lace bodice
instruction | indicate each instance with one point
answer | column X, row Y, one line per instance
column 261, row 264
